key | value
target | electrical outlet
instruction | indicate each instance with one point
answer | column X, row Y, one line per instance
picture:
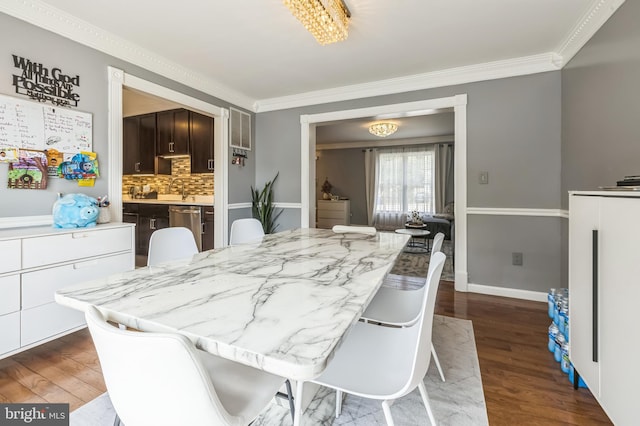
column 516, row 258
column 483, row 178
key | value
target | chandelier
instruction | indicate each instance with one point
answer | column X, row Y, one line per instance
column 383, row 129
column 326, row 20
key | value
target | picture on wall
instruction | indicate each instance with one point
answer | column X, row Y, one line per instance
column 29, row 171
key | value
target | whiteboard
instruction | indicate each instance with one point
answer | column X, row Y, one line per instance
column 31, row 125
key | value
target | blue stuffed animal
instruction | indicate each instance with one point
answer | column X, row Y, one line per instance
column 75, row 211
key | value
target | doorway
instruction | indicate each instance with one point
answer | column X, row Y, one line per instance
column 118, row 79
column 459, row 105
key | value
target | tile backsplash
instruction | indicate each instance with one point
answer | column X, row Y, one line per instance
column 194, row 184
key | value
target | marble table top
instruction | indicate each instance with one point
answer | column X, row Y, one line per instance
column 281, row 305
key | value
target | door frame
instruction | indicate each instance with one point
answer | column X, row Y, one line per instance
column 119, row 79
column 308, row 125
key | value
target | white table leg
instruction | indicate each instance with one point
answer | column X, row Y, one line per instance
column 298, row 403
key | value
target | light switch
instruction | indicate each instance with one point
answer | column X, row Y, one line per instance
column 483, row 178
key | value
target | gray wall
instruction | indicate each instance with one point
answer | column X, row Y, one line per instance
column 513, row 132
column 55, row 51
column 600, row 108
column 345, row 170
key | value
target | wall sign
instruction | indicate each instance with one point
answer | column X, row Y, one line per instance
column 43, row 84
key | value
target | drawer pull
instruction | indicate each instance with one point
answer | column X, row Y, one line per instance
column 77, row 236
column 84, row 265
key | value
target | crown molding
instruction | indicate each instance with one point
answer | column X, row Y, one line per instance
column 599, row 12
column 450, row 77
column 66, row 25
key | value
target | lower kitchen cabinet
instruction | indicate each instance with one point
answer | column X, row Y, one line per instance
column 44, row 260
column 151, row 217
column 207, row 228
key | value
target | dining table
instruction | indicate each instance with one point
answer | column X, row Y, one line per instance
column 281, row 304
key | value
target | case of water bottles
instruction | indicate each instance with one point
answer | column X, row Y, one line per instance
column 558, row 300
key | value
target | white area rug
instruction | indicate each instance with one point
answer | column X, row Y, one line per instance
column 459, row 401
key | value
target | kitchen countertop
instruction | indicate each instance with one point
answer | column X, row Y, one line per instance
column 197, row 200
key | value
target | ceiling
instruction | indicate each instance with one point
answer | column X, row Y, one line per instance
column 254, row 52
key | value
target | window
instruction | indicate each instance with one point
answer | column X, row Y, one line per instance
column 405, row 180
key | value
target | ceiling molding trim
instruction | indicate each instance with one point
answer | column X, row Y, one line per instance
column 66, row 25
column 385, row 142
column 480, row 72
column 595, row 17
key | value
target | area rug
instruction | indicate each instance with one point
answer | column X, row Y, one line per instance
column 458, row 401
column 414, row 263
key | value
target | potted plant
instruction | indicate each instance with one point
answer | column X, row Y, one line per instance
column 262, row 206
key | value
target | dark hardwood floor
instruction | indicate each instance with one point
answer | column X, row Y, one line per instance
column 522, row 383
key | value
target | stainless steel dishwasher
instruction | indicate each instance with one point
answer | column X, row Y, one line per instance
column 188, row 217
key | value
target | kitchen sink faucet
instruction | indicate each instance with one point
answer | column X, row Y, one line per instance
column 182, row 193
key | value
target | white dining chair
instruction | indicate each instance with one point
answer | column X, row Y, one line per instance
column 401, row 308
column 169, row 244
column 351, row 229
column 162, row 379
column 386, row 363
column 245, row 231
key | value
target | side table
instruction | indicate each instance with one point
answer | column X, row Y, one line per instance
column 416, row 234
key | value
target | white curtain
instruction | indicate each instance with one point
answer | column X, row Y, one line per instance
column 370, row 182
column 405, row 183
column 444, row 184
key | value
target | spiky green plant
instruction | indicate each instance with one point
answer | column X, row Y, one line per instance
column 262, row 206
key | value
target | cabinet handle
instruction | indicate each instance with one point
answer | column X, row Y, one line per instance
column 76, row 236
column 202, row 225
column 171, row 144
column 210, row 164
column 594, row 294
column 152, row 224
column 137, row 167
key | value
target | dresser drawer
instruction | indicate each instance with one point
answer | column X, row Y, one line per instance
column 39, row 251
column 331, row 214
column 10, row 255
column 9, row 332
column 38, row 287
column 332, row 205
column 9, row 294
column 46, row 321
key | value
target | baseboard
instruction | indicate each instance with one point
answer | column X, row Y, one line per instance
column 516, row 293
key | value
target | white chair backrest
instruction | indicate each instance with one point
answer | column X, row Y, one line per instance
column 347, row 229
column 155, row 378
column 169, row 244
column 422, row 328
column 437, row 243
column 245, row 231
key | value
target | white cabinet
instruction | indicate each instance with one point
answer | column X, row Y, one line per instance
column 43, row 260
column 604, row 269
column 332, row 213
column 239, row 129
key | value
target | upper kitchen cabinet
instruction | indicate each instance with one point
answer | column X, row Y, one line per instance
column 139, row 144
column 201, row 140
column 173, row 132
column 240, row 129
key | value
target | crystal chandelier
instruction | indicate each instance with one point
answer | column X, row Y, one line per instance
column 383, row 129
column 326, row 20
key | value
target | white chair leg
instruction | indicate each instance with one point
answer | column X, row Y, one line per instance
column 298, row 402
column 338, row 403
column 387, row 413
column 425, row 400
column 437, row 361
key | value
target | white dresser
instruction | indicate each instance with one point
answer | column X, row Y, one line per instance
column 37, row 261
column 604, row 269
column 332, row 213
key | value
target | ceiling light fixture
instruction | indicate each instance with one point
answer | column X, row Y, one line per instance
column 326, row 20
column 383, row 129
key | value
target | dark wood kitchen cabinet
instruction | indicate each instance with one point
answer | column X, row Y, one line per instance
column 151, row 217
column 207, row 228
column 201, row 142
column 139, row 144
column 172, row 132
